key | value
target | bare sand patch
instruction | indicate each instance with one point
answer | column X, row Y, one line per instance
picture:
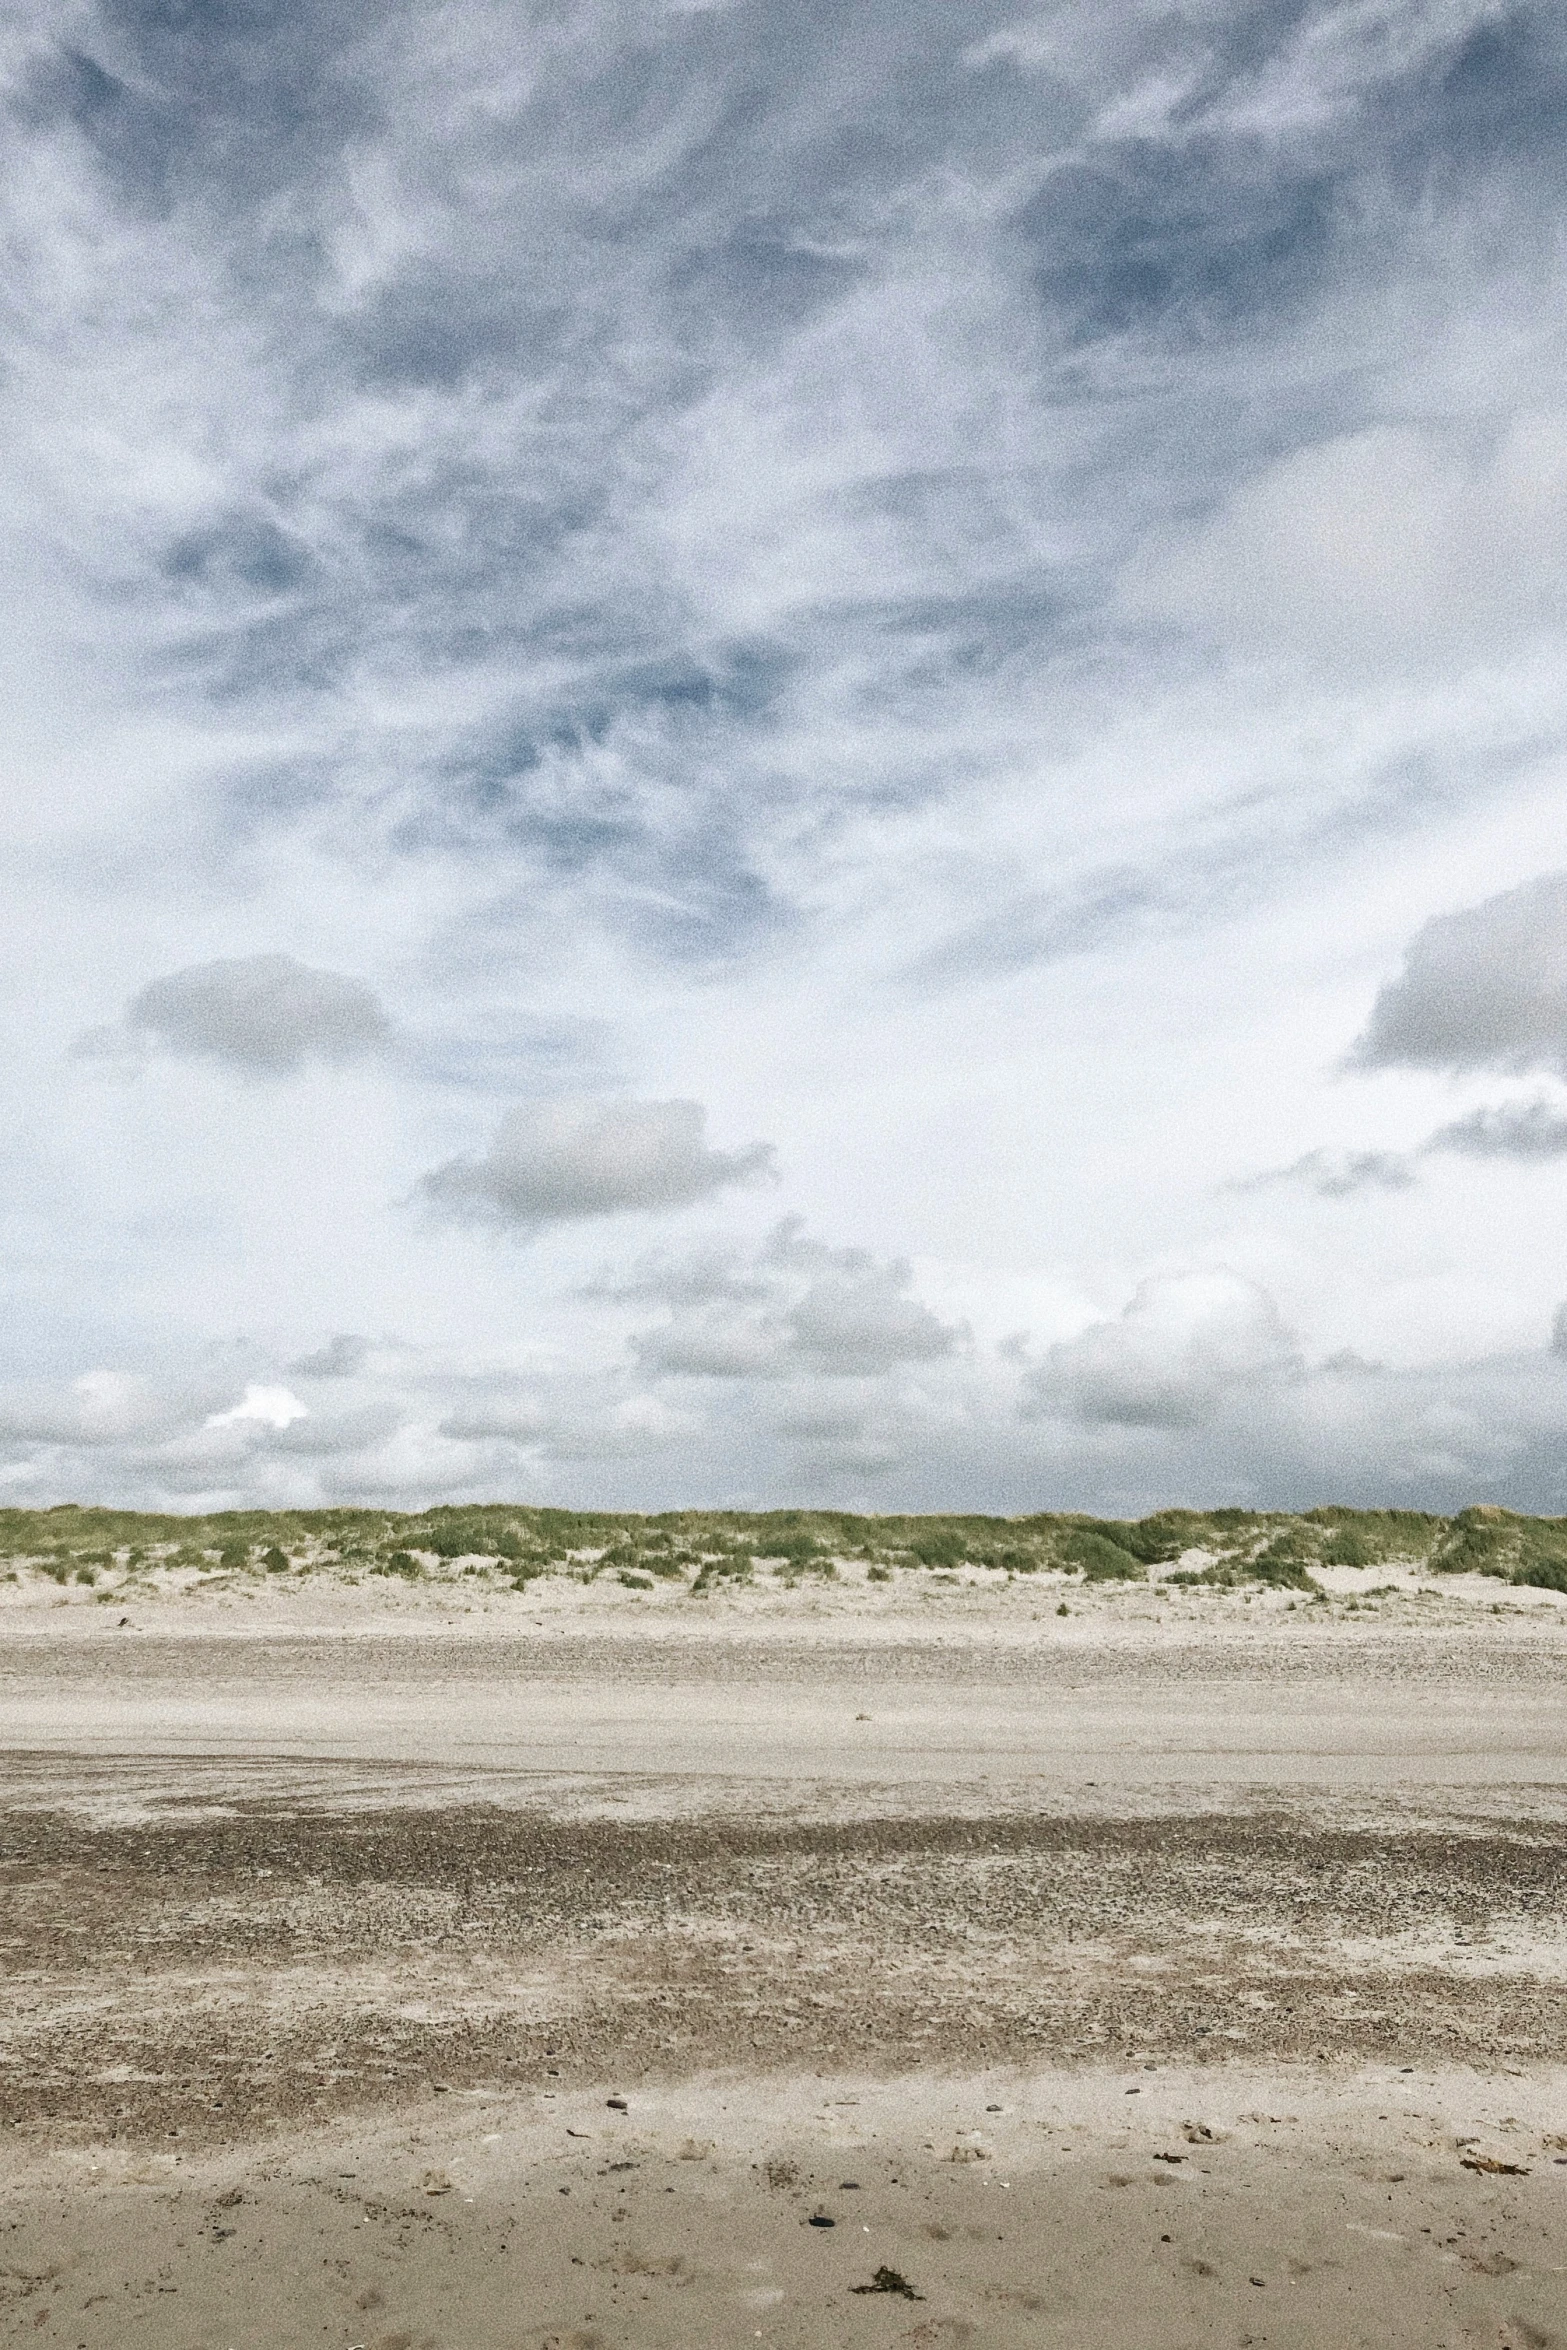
column 1118, row 2207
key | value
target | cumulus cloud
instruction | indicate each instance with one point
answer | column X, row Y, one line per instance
column 555, row 1161
column 1184, row 1346
column 1485, row 988
column 266, row 1015
column 623, row 1430
column 841, row 1313
column 1231, row 1414
column 864, row 1322
column 849, row 1443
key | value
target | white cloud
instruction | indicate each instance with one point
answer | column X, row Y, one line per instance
column 1196, row 1390
column 1184, row 1346
column 1395, row 544
column 699, row 1277
column 555, row 1161
column 1482, row 989
column 570, row 1420
column 268, row 1407
column 263, row 1014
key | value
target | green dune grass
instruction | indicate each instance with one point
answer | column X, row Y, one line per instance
column 705, row 1550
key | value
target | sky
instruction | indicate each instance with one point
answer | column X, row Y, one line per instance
column 765, row 755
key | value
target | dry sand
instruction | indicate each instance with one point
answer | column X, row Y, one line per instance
column 1175, row 1972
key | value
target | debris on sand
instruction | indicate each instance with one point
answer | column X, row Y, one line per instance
column 436, row 2182
column 1495, row 2161
column 889, row 2280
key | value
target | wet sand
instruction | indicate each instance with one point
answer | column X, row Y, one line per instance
column 1157, row 1976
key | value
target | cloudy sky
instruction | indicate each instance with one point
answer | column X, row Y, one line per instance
column 766, row 754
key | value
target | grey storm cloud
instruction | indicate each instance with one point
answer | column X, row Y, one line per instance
column 1184, row 1347
column 1482, row 989
column 555, row 1161
column 264, row 1014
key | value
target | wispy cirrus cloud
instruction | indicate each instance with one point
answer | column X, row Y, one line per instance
column 535, row 366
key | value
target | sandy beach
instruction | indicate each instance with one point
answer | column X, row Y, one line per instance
column 914, row 1965
column 783, row 1394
